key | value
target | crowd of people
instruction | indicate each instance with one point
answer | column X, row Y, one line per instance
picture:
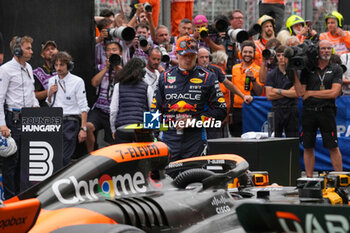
column 198, row 74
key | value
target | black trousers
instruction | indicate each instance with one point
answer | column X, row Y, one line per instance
column 11, row 165
column 287, row 121
column 70, row 133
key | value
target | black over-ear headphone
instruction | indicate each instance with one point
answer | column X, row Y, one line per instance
column 70, row 63
column 70, row 66
column 17, row 47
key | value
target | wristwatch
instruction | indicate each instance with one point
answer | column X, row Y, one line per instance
column 279, row 91
column 83, row 129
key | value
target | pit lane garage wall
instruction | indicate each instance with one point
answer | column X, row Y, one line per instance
column 255, row 117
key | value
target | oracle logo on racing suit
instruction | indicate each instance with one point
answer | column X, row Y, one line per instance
column 292, row 223
column 186, row 96
column 86, row 190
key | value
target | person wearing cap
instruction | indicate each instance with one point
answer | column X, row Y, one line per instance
column 211, row 42
column 297, row 26
column 17, row 90
column 267, row 24
column 339, row 38
column 188, row 92
column 43, row 73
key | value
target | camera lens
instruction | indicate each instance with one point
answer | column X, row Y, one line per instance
column 114, row 60
column 147, row 7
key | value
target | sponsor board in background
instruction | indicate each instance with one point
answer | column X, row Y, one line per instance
column 41, row 147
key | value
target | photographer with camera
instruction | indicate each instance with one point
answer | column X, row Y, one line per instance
column 320, row 86
column 301, row 29
column 245, row 76
column 269, row 58
column 100, row 54
column 280, row 91
column 339, row 38
column 98, row 116
column 204, row 36
column 141, row 44
column 236, row 19
column 167, row 47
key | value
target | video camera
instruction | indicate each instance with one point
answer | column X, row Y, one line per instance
column 302, row 56
column 122, row 33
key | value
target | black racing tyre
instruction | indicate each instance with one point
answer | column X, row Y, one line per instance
column 191, row 176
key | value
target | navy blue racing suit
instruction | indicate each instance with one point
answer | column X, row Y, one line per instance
column 195, row 93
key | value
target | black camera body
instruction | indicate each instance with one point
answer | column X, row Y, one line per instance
column 269, row 53
column 302, row 56
column 147, row 7
column 220, row 24
column 143, row 40
column 114, row 60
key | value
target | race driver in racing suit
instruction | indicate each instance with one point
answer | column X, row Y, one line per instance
column 188, row 92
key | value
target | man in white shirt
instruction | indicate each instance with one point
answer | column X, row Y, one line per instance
column 68, row 91
column 153, row 62
column 17, row 91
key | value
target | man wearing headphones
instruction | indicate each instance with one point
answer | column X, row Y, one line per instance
column 17, row 91
column 320, row 86
column 43, row 73
column 68, row 91
column 339, row 38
